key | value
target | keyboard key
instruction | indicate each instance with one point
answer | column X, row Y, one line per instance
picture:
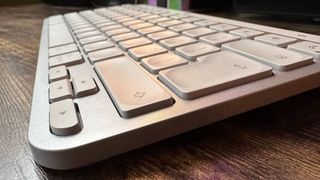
column 276, row 40
column 166, row 24
column 125, row 36
column 305, row 47
column 157, row 20
column 141, row 25
column 150, row 17
column 62, row 49
column 58, row 73
column 205, row 23
column 106, row 24
column 97, row 46
column 87, row 25
column 92, row 39
column 149, row 30
column 104, row 54
column 138, row 93
column 88, row 34
column 112, row 27
column 162, row 35
column 179, row 16
column 182, row 27
column 219, row 38
column 213, row 73
column 174, row 42
column 125, row 45
column 157, row 63
column 196, row 33
column 60, row 90
column 59, row 34
column 78, row 31
column 192, row 51
column 84, row 85
column 224, row 27
column 246, row 33
column 66, row 59
column 190, row 19
column 279, row 58
column 137, row 21
column 63, row 118
column 144, row 51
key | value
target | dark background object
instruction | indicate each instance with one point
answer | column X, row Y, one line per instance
column 305, row 8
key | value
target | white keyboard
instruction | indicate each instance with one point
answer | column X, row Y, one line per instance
column 110, row 80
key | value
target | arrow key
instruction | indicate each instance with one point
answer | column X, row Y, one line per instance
column 84, row 86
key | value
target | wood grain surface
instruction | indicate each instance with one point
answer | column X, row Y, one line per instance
column 279, row 141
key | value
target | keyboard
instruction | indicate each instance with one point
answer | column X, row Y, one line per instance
column 110, row 80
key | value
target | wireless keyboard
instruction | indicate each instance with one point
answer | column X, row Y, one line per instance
column 110, row 80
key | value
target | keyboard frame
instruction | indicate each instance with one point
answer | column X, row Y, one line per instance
column 106, row 134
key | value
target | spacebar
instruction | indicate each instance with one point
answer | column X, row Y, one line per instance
column 132, row 90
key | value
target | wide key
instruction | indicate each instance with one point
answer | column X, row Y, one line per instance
column 137, row 94
column 279, row 58
column 213, row 73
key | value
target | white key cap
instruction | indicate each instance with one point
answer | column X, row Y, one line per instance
column 157, row 20
column 84, row 85
column 162, row 35
column 92, row 39
column 179, row 16
column 205, row 23
column 56, row 19
column 62, row 49
column 224, row 27
column 157, row 63
column 117, row 32
column 66, row 59
column 276, row 40
column 125, row 36
column 111, row 27
column 83, row 30
column 182, row 27
column 174, row 42
column 63, row 118
column 170, row 23
column 59, row 35
column 192, row 51
column 60, row 90
column 140, row 26
column 196, row 33
column 305, row 47
column 137, row 21
column 128, row 44
column 279, row 58
column 148, row 30
column 138, row 93
column 106, row 24
column 144, row 51
column 58, row 73
column 213, row 73
column 246, row 33
column 219, row 38
column 104, row 54
column 190, row 19
column 88, row 34
column 97, row 46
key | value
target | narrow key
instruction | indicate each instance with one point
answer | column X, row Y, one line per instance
column 162, row 35
column 182, row 27
column 276, row 40
column 213, row 73
column 125, row 45
column 88, row 29
column 155, row 64
column 63, row 118
column 92, row 39
column 144, row 51
column 224, row 27
column 106, row 24
column 138, row 93
column 60, row 90
column 150, row 17
column 166, row 24
column 158, row 20
column 137, row 21
column 140, row 26
column 117, row 32
column 219, row 38
column 149, row 30
column 87, row 25
column 66, row 59
column 279, row 58
column 198, row 32
column 88, row 34
column 62, row 49
column 97, row 46
column 58, row 73
column 59, row 34
column 111, row 27
column 192, row 51
column 84, row 85
column 246, row 33
column 104, row 54
column 125, row 36
column 175, row 42
column 305, row 47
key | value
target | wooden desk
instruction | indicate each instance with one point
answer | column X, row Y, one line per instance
column 279, row 141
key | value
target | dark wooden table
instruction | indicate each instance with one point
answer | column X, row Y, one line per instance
column 279, row 141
